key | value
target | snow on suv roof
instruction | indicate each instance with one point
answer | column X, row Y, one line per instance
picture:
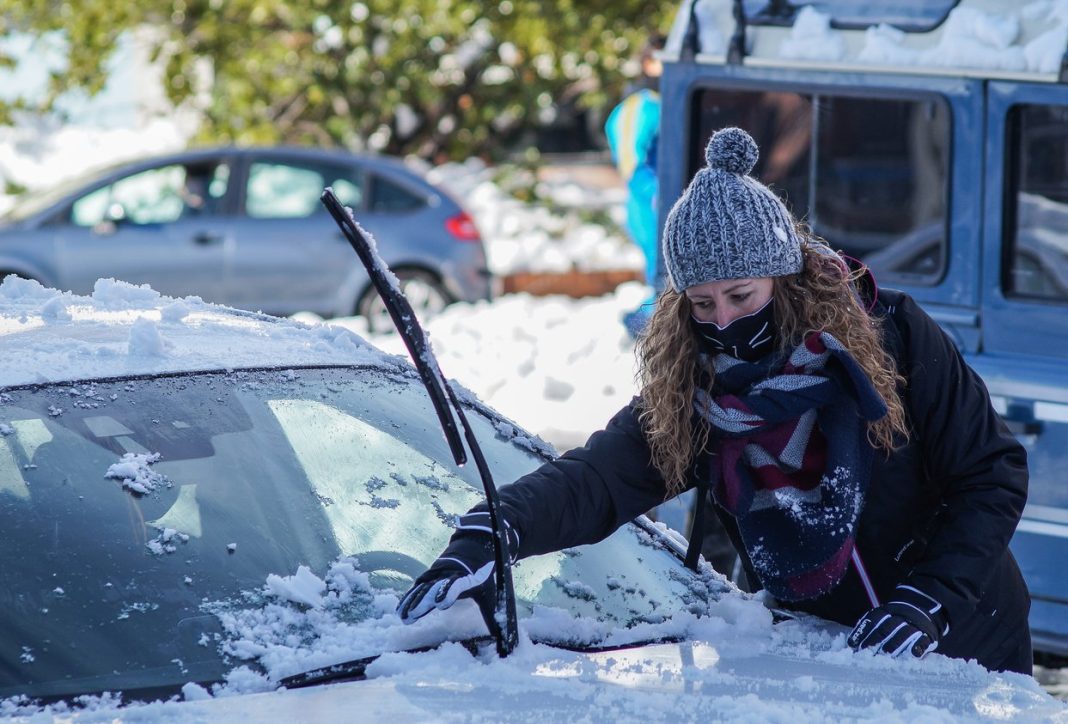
column 978, row 38
column 127, row 330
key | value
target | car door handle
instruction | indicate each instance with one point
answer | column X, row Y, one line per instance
column 1021, row 419
column 1024, row 427
column 204, row 238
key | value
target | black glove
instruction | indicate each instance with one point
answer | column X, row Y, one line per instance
column 463, row 570
column 912, row 622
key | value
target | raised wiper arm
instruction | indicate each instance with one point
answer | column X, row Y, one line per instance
column 501, row 620
column 404, row 319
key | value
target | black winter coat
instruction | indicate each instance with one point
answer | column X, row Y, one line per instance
column 938, row 514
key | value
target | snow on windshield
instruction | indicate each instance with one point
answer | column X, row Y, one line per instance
column 735, row 665
column 135, row 473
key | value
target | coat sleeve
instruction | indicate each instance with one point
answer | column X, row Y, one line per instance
column 587, row 493
column 977, row 466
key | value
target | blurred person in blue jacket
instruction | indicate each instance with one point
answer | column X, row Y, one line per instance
column 633, row 132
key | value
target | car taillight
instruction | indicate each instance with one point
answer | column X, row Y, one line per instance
column 462, row 226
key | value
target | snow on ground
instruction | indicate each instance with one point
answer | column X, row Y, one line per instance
column 531, row 237
column 560, row 367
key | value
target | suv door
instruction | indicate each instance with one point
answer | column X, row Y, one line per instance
column 1024, row 357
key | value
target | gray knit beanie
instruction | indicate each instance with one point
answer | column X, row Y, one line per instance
column 728, row 225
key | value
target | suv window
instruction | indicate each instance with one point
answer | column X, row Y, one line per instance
column 1035, row 262
column 291, row 190
column 869, row 175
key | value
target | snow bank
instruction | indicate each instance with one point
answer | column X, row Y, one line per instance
column 526, row 237
column 560, row 367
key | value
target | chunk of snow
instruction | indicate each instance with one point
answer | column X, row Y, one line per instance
column 146, row 340
column 113, row 294
column 302, row 587
column 195, row 692
column 135, row 472
column 811, row 38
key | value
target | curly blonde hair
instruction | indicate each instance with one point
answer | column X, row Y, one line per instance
column 819, row 299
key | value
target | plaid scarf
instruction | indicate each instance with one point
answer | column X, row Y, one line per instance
column 791, row 460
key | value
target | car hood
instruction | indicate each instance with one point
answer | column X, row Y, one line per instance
column 688, row 681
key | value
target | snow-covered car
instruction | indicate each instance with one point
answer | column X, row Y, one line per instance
column 199, row 502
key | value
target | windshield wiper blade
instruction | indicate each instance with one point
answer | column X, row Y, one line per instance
column 356, row 668
column 446, row 404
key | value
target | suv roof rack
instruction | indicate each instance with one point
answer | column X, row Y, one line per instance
column 914, row 16
column 956, row 38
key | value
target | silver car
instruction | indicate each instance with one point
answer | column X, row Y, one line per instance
column 244, row 227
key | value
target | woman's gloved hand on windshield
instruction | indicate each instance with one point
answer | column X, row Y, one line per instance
column 913, row 622
column 463, row 570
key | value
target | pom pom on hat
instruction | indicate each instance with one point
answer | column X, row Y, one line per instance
column 732, row 150
column 728, row 225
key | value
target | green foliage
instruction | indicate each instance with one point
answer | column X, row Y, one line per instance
column 438, row 78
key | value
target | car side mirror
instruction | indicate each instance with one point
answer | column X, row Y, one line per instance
column 114, row 217
column 116, row 213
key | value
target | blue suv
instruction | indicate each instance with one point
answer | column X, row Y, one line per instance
column 946, row 172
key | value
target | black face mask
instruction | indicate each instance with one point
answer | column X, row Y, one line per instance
column 747, row 338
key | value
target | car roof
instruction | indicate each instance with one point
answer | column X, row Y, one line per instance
column 192, row 155
column 123, row 330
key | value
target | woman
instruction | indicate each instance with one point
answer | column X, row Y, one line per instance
column 851, row 454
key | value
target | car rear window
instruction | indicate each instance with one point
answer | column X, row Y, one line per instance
column 389, row 196
column 867, row 174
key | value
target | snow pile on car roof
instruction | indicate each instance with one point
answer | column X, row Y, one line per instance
column 976, row 36
column 125, row 330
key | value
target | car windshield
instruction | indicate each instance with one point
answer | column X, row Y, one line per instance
column 136, row 511
column 36, row 201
